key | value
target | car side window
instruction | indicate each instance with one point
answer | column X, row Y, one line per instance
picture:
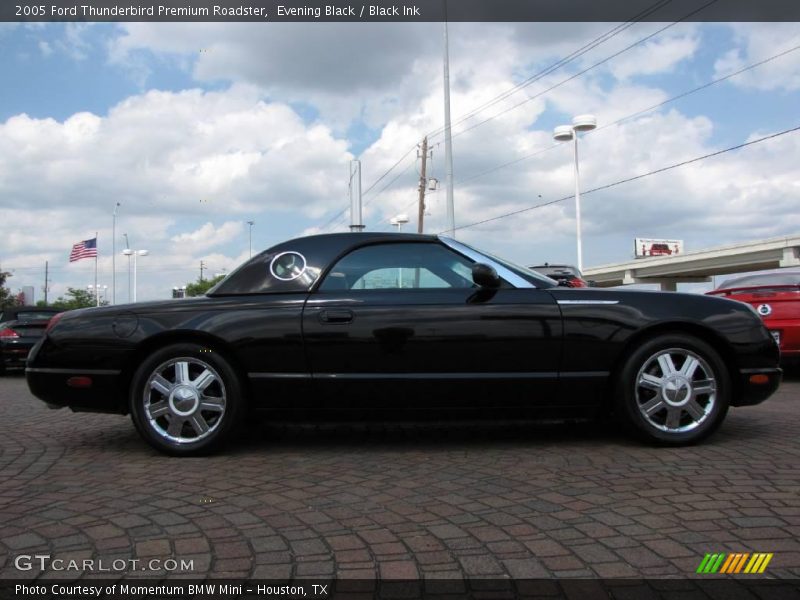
column 423, row 265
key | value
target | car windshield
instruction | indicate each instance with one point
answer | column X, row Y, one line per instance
column 530, row 276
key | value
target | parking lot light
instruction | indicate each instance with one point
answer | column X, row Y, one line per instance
column 566, row 133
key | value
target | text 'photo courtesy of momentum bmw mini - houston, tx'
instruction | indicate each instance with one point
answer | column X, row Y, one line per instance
column 405, row 323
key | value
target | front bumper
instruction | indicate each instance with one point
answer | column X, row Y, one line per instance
column 756, row 385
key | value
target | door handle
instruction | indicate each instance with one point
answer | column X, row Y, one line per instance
column 336, row 316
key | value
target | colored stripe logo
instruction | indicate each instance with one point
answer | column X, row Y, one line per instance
column 734, row 563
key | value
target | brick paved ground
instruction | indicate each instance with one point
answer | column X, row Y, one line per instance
column 401, row 501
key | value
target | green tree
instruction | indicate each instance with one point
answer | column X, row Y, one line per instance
column 200, row 287
column 7, row 297
column 76, row 298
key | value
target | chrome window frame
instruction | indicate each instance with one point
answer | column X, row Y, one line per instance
column 503, row 271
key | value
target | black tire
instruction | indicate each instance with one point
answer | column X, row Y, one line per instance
column 186, row 400
column 661, row 402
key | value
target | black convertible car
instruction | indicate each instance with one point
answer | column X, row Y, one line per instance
column 402, row 323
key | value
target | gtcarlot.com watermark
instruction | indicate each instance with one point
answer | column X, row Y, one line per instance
column 45, row 562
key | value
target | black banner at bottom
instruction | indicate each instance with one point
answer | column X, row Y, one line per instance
column 347, row 589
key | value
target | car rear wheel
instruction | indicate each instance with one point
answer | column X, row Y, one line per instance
column 186, row 400
column 674, row 389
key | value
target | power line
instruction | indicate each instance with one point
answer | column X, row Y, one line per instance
column 558, row 64
column 639, row 112
column 586, row 70
column 634, row 178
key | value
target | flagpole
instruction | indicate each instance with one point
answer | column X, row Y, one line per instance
column 96, row 253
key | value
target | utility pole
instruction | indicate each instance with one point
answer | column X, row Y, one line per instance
column 356, row 222
column 114, row 254
column 423, row 181
column 202, row 268
column 46, row 268
column 448, row 135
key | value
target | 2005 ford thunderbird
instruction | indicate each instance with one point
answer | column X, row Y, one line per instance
column 375, row 322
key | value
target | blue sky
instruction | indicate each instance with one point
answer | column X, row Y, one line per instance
column 197, row 128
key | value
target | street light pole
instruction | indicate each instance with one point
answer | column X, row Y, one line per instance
column 565, row 133
column 127, row 253
column 114, row 255
column 135, row 253
column 448, row 136
column 250, row 237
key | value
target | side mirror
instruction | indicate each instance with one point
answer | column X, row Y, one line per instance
column 485, row 276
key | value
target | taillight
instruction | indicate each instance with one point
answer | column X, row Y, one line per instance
column 53, row 320
column 8, row 333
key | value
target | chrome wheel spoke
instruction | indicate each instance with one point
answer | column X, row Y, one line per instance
column 161, row 385
column 689, row 367
column 205, row 379
column 651, row 382
column 666, row 364
column 673, row 417
column 175, row 426
column 695, row 410
column 703, row 386
column 212, row 404
column 158, row 409
column 653, row 406
column 199, row 424
column 182, row 372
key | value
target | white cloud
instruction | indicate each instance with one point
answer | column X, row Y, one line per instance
column 659, row 55
column 759, row 41
column 208, row 236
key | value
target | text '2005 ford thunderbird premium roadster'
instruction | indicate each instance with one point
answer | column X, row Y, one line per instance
column 384, row 323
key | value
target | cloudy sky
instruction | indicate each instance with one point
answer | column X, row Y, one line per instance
column 198, row 128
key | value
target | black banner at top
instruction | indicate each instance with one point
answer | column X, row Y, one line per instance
column 400, row 10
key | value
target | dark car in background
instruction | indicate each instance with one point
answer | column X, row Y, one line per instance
column 565, row 275
column 20, row 328
column 379, row 324
column 776, row 298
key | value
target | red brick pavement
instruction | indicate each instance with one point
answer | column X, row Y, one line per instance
column 400, row 501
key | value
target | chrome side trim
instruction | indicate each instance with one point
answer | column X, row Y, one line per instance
column 511, row 375
column 74, row 371
column 279, row 375
column 588, row 302
column 504, row 272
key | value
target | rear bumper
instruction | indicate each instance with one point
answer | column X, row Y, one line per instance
column 53, row 387
column 14, row 354
column 756, row 385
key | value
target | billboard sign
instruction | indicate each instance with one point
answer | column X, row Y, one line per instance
column 647, row 247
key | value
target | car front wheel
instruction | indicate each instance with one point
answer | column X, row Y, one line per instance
column 674, row 389
column 186, row 400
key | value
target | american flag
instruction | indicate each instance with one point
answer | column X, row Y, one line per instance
column 84, row 249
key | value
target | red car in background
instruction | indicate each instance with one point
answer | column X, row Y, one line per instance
column 565, row 275
column 776, row 297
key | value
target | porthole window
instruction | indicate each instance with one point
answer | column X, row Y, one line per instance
column 287, row 266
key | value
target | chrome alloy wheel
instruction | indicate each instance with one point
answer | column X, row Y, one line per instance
column 184, row 400
column 675, row 390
